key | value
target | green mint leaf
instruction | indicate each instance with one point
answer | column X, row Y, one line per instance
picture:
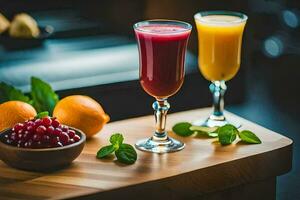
column 116, row 139
column 105, row 151
column 213, row 134
column 206, row 134
column 204, row 129
column 201, row 133
column 249, row 137
column 227, row 134
column 10, row 93
column 44, row 98
column 42, row 114
column 126, row 154
column 183, row 129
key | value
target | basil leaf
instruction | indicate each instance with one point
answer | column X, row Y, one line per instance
column 105, row 151
column 183, row 129
column 116, row 139
column 227, row 134
column 9, row 93
column 44, row 98
column 249, row 137
column 126, row 154
column 42, row 114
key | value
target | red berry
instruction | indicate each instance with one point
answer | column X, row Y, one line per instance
column 50, row 130
column 59, row 144
column 71, row 141
column 64, row 138
column 20, row 143
column 27, row 135
column 18, row 127
column 20, row 134
column 57, row 132
column 30, row 123
column 30, row 128
column 45, row 139
column 41, row 130
column 28, row 144
column 71, row 133
column 13, row 136
column 65, row 129
column 55, row 123
column 76, row 138
column 46, row 121
column 36, row 137
column 54, row 140
column 38, row 122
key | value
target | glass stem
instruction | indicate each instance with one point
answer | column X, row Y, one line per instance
column 161, row 107
column 218, row 89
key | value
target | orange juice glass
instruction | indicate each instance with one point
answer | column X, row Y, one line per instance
column 219, row 39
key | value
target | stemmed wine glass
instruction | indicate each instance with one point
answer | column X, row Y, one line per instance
column 220, row 39
column 162, row 47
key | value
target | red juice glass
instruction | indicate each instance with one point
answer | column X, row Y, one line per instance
column 162, row 47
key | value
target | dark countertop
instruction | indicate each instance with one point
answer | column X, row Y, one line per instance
column 277, row 111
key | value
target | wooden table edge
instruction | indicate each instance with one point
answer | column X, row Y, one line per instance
column 141, row 188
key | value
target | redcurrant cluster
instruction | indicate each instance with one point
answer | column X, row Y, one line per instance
column 41, row 133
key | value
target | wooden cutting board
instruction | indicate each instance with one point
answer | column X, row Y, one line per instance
column 203, row 167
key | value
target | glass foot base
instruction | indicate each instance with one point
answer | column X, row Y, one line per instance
column 213, row 122
column 164, row 146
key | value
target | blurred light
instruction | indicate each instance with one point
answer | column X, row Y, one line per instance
column 290, row 18
column 273, row 46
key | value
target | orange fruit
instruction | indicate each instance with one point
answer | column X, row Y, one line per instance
column 12, row 112
column 81, row 112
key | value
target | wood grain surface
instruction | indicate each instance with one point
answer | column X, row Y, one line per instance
column 203, row 167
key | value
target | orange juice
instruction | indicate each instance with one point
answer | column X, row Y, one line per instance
column 220, row 39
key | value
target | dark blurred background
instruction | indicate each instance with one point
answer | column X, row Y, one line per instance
column 92, row 51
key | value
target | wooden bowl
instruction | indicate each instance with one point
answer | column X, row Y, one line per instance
column 44, row 159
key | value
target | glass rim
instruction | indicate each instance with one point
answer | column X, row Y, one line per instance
column 187, row 26
column 242, row 17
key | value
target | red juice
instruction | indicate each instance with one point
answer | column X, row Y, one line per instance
column 162, row 49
